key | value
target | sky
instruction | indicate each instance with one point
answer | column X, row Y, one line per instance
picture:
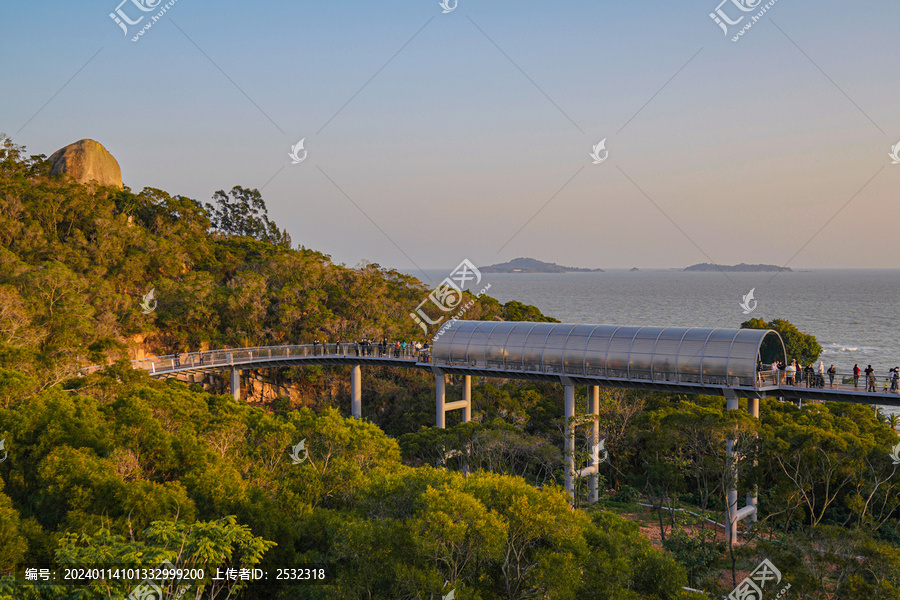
column 433, row 137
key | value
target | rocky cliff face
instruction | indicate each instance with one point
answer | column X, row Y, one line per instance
column 86, row 161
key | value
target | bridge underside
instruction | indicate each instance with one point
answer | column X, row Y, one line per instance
column 836, row 395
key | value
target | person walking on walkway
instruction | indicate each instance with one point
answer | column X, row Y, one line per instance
column 895, row 379
column 870, row 378
column 856, row 375
column 789, row 373
column 831, row 373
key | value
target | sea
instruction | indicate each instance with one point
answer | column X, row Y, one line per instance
column 854, row 313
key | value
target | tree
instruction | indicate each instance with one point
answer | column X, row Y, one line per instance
column 458, row 534
column 243, row 212
column 802, row 346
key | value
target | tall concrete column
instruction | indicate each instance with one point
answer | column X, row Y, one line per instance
column 236, row 383
column 594, row 409
column 570, row 441
column 753, row 497
column 467, row 398
column 356, row 392
column 731, row 403
column 440, row 396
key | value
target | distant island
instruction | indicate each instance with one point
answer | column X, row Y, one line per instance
column 743, row 267
column 633, row 270
column 532, row 265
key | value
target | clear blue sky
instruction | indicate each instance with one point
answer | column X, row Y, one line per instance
column 451, row 148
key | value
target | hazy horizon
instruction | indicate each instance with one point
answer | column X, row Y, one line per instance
column 436, row 137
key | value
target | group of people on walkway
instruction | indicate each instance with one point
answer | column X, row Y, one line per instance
column 397, row 349
column 811, row 375
column 367, row 347
column 891, row 382
column 795, row 373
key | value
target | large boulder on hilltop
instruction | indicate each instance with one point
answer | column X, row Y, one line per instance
column 86, row 161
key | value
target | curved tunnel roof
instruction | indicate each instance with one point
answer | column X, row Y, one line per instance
column 680, row 354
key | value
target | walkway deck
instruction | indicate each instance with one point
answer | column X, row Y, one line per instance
column 269, row 357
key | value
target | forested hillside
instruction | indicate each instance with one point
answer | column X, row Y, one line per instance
column 118, row 470
column 75, row 262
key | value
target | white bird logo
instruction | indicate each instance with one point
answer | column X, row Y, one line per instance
column 596, row 450
column 747, row 300
column 596, row 153
column 296, row 450
column 295, row 153
column 448, row 7
column 451, row 595
column 895, row 455
column 3, row 447
column 895, row 154
column 148, row 298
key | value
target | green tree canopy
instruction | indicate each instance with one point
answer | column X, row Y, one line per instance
column 243, row 211
column 797, row 345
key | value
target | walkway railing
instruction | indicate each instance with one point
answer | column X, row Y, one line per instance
column 613, row 372
column 840, row 380
column 238, row 356
column 235, row 357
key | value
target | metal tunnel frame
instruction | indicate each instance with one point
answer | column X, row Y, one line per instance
column 694, row 355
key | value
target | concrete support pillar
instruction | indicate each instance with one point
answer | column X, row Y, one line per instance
column 753, row 407
column 440, row 396
column 467, row 398
column 236, row 383
column 570, row 441
column 356, row 392
column 753, row 497
column 731, row 403
column 594, row 409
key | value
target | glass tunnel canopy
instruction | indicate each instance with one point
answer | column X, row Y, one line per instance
column 676, row 354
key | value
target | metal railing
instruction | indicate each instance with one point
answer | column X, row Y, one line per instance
column 230, row 357
column 237, row 356
column 846, row 381
column 612, row 373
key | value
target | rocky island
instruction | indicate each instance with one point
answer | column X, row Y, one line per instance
column 743, row 267
column 532, row 265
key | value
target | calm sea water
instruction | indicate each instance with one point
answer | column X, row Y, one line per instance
column 854, row 314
